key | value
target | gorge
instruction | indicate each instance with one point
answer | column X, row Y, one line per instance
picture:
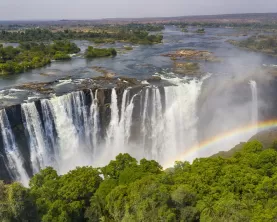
column 70, row 116
column 92, row 126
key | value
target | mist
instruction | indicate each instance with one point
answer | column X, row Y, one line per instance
column 227, row 103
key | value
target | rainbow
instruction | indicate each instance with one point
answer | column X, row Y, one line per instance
column 209, row 143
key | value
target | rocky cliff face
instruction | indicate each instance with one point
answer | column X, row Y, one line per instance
column 226, row 103
column 17, row 121
column 158, row 121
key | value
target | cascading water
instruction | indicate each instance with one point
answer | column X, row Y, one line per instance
column 181, row 116
column 168, row 131
column 72, row 125
column 157, row 125
column 111, row 133
column 49, row 128
column 39, row 148
column 253, row 85
column 70, row 130
column 92, row 134
column 14, row 157
column 120, row 126
column 144, row 117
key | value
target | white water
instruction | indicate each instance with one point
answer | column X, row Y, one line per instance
column 119, row 128
column 39, row 149
column 15, row 161
column 70, row 119
column 166, row 126
column 157, row 125
column 111, row 133
column 144, row 123
column 253, row 85
column 166, row 133
column 181, row 117
column 94, row 123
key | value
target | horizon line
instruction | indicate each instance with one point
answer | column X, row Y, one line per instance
column 136, row 18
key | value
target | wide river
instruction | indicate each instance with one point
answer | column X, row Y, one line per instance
column 193, row 116
column 144, row 60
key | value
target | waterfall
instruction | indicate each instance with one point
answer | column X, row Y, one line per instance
column 254, row 107
column 78, row 129
column 49, row 128
column 111, row 133
column 119, row 129
column 144, row 121
column 38, row 145
column 167, row 133
column 72, row 124
column 157, row 125
column 15, row 161
column 94, row 123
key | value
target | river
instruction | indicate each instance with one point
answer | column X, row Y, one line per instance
column 192, row 116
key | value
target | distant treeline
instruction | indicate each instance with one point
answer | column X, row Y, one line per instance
column 242, row 187
column 133, row 33
column 226, row 24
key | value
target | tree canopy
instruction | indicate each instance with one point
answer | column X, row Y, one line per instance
column 33, row 55
column 135, row 33
column 92, row 52
column 242, row 187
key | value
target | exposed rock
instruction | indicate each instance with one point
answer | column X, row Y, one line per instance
column 49, row 73
column 126, row 81
column 191, row 54
column 128, row 48
column 154, row 79
column 271, row 70
column 43, row 90
column 107, row 74
column 186, row 68
column 39, row 87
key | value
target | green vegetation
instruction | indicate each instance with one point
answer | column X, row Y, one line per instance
column 183, row 27
column 96, row 52
column 61, row 56
column 184, row 30
column 33, row 55
column 237, row 188
column 128, row 48
column 134, row 33
column 186, row 68
column 146, row 27
column 191, row 66
column 266, row 44
column 200, row 31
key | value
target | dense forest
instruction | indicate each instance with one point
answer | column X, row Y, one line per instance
column 33, row 55
column 133, row 33
column 92, row 52
column 242, row 187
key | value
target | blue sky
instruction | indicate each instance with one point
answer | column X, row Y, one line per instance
column 92, row 9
